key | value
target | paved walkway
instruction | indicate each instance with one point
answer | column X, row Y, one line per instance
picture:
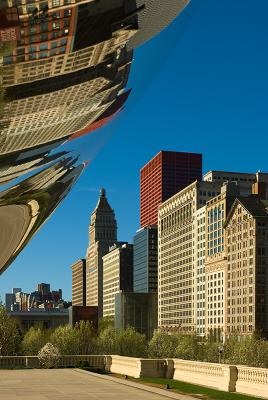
column 71, row 384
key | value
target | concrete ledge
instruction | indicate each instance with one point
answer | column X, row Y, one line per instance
column 216, row 376
column 139, row 367
column 151, row 389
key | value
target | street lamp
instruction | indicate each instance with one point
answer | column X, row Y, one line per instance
column 220, row 350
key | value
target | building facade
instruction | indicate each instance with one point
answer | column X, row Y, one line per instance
column 247, row 267
column 102, row 235
column 79, row 283
column 215, row 261
column 200, row 275
column 137, row 310
column 117, row 275
column 162, row 177
column 177, row 261
column 145, row 261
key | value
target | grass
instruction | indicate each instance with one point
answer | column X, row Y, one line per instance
column 183, row 388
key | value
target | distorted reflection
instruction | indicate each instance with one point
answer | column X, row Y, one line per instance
column 64, row 69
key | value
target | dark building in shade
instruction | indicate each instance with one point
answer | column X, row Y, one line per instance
column 47, row 319
column 145, row 260
column 162, row 177
column 83, row 313
column 137, row 310
column 79, row 283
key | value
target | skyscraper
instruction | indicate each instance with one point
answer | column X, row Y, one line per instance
column 162, row 177
column 117, row 275
column 180, row 274
column 79, row 283
column 102, row 235
column 145, row 260
column 246, row 229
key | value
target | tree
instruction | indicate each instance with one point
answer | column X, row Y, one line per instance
column 107, row 341
column 163, row 345
column 9, row 335
column 34, row 339
column 86, row 338
column 131, row 343
column 189, row 348
column 65, row 338
column 105, row 323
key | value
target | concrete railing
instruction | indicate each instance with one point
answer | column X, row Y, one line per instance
column 100, row 362
column 252, row 381
column 138, row 367
column 218, row 376
column 230, row 378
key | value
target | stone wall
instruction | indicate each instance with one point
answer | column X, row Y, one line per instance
column 138, row 367
column 229, row 378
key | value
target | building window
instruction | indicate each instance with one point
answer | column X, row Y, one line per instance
column 56, row 25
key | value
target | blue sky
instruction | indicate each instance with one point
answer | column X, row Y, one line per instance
column 200, row 86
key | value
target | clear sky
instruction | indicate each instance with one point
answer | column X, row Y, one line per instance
column 200, row 86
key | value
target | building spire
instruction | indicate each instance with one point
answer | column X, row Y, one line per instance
column 102, row 192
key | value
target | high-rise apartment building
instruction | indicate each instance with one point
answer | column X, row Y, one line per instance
column 117, row 275
column 145, row 261
column 178, row 257
column 102, row 235
column 79, row 283
column 246, row 229
column 215, row 261
column 234, row 184
column 162, row 177
column 200, row 275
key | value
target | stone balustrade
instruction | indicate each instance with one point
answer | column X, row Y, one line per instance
column 252, row 381
column 218, row 376
column 230, row 378
column 98, row 362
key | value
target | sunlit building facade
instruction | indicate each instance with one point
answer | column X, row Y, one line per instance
column 177, row 261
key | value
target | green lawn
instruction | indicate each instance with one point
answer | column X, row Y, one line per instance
column 183, row 387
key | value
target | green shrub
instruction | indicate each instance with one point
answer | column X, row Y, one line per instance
column 34, row 339
column 9, row 335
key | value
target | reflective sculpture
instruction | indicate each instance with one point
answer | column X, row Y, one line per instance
column 64, row 68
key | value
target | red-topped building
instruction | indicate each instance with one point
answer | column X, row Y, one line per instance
column 162, row 177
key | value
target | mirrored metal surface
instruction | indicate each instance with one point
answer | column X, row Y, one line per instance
column 64, row 69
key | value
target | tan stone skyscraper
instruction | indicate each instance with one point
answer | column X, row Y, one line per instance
column 246, row 230
column 102, row 235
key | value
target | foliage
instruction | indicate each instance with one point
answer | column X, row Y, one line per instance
column 9, row 335
column 86, row 338
column 249, row 351
column 126, row 342
column 189, row 348
column 34, row 339
column 105, row 323
column 65, row 338
column 163, row 345
column 107, row 341
column 131, row 343
column 49, row 356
